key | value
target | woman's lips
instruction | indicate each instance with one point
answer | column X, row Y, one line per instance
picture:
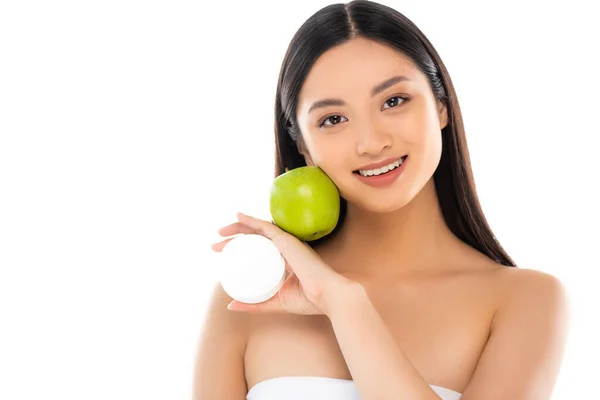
column 384, row 179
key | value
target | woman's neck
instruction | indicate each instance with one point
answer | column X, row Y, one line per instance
column 413, row 240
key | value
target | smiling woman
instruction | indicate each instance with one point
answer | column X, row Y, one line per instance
column 411, row 296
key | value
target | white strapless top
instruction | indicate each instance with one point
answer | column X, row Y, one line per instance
column 318, row 388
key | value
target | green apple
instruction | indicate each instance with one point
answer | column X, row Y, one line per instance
column 305, row 202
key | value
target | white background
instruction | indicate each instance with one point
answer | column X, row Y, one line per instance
column 130, row 131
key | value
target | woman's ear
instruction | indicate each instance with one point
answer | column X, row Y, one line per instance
column 304, row 151
column 443, row 113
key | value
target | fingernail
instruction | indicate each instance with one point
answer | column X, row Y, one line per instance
column 229, row 305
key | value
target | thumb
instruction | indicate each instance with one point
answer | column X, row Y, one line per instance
column 274, row 304
column 271, row 305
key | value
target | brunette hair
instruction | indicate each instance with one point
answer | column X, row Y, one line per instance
column 338, row 23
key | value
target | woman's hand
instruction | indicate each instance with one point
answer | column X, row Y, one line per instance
column 311, row 286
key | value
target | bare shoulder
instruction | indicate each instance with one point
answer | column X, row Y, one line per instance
column 530, row 292
column 524, row 352
column 520, row 284
column 232, row 325
column 219, row 364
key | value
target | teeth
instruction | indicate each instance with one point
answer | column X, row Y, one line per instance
column 382, row 170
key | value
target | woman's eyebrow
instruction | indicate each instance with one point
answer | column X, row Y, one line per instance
column 375, row 91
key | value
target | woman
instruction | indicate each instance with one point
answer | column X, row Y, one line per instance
column 411, row 296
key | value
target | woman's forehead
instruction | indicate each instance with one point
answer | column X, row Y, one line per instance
column 357, row 63
column 353, row 75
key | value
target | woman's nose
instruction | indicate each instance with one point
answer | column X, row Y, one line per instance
column 373, row 141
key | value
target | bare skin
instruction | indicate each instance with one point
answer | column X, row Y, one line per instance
column 441, row 322
column 455, row 314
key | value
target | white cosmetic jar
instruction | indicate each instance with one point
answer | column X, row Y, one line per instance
column 251, row 269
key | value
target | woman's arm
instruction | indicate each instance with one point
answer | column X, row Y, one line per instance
column 378, row 366
column 523, row 355
column 219, row 366
column 521, row 360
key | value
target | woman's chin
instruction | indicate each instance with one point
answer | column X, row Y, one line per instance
column 383, row 205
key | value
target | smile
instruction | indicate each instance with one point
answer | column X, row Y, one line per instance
column 383, row 170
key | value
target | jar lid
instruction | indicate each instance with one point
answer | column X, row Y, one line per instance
column 252, row 269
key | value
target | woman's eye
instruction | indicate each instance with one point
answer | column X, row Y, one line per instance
column 334, row 119
column 394, row 101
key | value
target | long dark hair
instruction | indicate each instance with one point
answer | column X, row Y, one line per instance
column 338, row 23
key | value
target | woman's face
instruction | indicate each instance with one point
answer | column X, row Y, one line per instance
column 370, row 122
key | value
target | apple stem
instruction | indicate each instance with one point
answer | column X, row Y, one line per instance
column 286, row 169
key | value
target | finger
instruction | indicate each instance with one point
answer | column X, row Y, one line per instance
column 274, row 304
column 296, row 253
column 249, row 225
column 220, row 245
column 271, row 305
column 288, row 268
column 235, row 228
column 266, row 228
